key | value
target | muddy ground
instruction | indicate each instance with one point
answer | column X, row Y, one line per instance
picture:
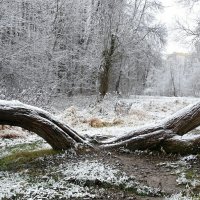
column 155, row 170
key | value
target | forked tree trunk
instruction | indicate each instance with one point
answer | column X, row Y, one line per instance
column 168, row 134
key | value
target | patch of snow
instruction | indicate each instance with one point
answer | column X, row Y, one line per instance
column 70, row 182
column 183, row 180
column 145, row 112
column 186, row 137
column 11, row 184
column 19, row 185
column 180, row 196
column 189, row 158
column 8, row 145
column 92, row 170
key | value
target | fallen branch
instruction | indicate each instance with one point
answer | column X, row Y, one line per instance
column 36, row 120
column 164, row 134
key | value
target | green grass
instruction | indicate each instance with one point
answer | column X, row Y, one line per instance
column 18, row 159
column 26, row 146
column 190, row 174
column 21, row 147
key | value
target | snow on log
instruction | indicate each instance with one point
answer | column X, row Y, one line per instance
column 187, row 144
column 36, row 120
column 167, row 134
column 147, row 141
column 184, row 120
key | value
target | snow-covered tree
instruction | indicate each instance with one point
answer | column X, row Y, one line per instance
column 58, row 47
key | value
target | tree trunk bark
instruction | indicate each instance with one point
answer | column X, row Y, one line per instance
column 106, row 67
column 182, row 145
column 168, row 134
column 36, row 120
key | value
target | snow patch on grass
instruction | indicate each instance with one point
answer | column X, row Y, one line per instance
column 183, row 180
column 28, row 142
column 180, row 196
column 11, row 184
column 74, row 179
column 19, row 186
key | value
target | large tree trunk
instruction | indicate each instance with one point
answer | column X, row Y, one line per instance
column 106, row 67
column 168, row 134
column 36, row 120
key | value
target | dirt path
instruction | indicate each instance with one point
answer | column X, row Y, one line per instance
column 155, row 170
column 152, row 175
column 107, row 175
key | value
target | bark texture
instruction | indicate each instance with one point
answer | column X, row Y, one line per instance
column 168, row 134
column 36, row 120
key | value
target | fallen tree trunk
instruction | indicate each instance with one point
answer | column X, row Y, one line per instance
column 166, row 134
column 36, row 120
column 182, row 144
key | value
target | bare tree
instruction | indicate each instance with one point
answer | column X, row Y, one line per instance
column 128, row 33
column 58, row 47
column 186, row 29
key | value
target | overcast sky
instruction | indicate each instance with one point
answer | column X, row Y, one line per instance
column 172, row 12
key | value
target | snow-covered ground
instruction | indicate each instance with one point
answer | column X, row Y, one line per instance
column 119, row 115
column 112, row 117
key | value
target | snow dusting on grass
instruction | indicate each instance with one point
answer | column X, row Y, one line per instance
column 181, row 196
column 27, row 142
column 19, row 186
column 69, row 180
column 186, row 177
column 11, row 184
column 144, row 110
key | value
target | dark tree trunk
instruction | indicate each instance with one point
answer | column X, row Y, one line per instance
column 106, row 67
column 168, row 134
column 118, row 83
column 104, row 79
column 36, row 120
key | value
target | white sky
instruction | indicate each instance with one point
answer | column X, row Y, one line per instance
column 172, row 12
